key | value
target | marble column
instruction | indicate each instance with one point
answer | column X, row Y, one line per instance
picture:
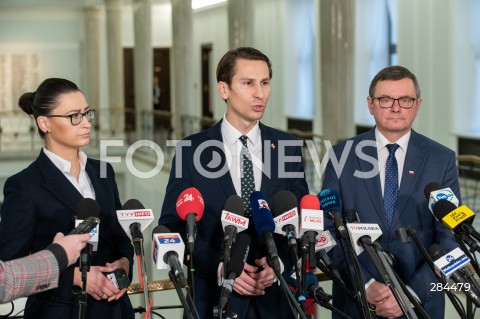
column 182, row 56
column 92, row 61
column 240, row 23
column 337, row 35
column 116, row 97
column 143, row 67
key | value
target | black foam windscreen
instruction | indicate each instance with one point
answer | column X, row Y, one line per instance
column 87, row 207
column 132, row 204
column 282, row 202
column 442, row 208
column 239, row 254
column 431, row 187
column 234, row 204
column 436, row 251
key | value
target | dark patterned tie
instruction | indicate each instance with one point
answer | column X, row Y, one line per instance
column 247, row 178
column 391, row 183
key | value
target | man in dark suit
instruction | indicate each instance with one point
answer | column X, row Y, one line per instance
column 364, row 182
column 243, row 77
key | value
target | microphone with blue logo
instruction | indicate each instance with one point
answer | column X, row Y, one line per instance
column 332, row 207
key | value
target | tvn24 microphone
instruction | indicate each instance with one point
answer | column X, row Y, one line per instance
column 435, row 191
column 265, row 226
column 284, row 208
column 168, row 249
column 453, row 265
column 332, row 205
column 233, row 222
column 311, row 224
column 190, row 207
column 134, row 219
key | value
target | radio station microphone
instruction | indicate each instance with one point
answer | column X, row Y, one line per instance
column 134, row 219
column 190, row 208
column 457, row 219
column 87, row 208
column 311, row 224
column 453, row 265
column 325, row 242
column 167, row 251
column 284, row 208
column 233, row 222
column 265, row 226
column 235, row 267
column 332, row 205
column 435, row 191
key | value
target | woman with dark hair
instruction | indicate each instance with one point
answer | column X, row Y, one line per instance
column 41, row 201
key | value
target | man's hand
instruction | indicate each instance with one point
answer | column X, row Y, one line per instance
column 384, row 300
column 72, row 244
column 253, row 282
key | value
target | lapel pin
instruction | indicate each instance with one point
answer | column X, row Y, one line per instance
column 411, row 172
column 272, row 146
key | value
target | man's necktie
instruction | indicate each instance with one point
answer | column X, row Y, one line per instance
column 391, row 183
column 247, row 178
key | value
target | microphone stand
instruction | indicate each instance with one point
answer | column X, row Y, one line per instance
column 389, row 278
column 322, row 299
column 84, row 267
column 413, row 234
column 187, row 310
column 285, row 288
column 142, row 269
column 356, row 278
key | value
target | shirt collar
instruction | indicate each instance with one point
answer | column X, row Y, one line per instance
column 64, row 165
column 232, row 135
column 382, row 140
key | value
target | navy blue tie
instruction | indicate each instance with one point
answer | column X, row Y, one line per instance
column 391, row 183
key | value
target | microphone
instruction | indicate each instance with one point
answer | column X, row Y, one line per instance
column 361, row 234
column 434, row 192
column 457, row 219
column 134, row 219
column 311, row 223
column 331, row 203
column 85, row 209
column 233, row 221
column 453, row 265
column 235, row 267
column 168, row 249
column 190, row 207
column 86, row 226
column 284, row 208
column 323, row 244
column 265, row 226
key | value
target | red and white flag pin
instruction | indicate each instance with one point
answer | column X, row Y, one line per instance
column 411, row 172
column 272, row 146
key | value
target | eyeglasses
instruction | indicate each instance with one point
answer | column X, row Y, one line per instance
column 387, row 102
column 77, row 118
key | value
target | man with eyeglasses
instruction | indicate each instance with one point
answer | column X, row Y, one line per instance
column 384, row 180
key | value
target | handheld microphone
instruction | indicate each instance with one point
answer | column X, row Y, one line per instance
column 331, row 203
column 311, row 224
column 265, row 226
column 457, row 219
column 233, row 221
column 167, row 251
column 434, row 192
column 87, row 208
column 453, row 265
column 284, row 208
column 134, row 219
column 235, row 267
column 324, row 243
column 190, row 207
column 361, row 233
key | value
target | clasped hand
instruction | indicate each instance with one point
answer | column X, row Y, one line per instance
column 253, row 282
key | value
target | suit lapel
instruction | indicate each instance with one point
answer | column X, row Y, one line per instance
column 373, row 186
column 271, row 159
column 414, row 161
column 57, row 184
column 215, row 133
